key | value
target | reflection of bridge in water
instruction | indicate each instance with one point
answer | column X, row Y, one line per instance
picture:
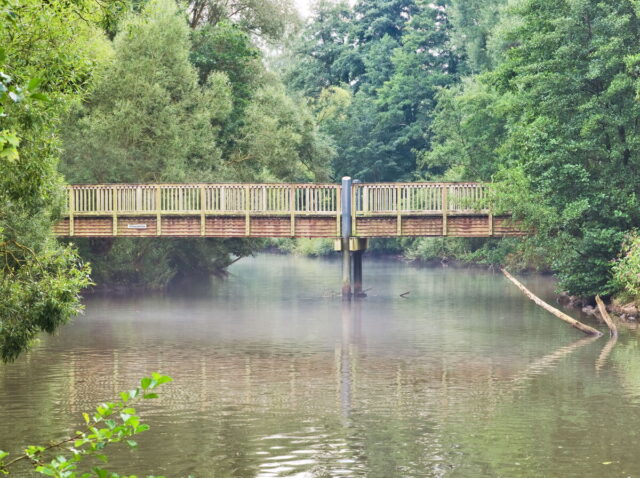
column 349, row 213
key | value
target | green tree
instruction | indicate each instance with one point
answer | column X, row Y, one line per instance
column 556, row 122
column 280, row 140
column 468, row 129
column 268, row 19
column 406, row 102
column 48, row 58
column 474, row 23
column 149, row 120
column 573, row 130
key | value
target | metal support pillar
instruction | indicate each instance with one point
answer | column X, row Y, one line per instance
column 357, row 274
column 345, row 234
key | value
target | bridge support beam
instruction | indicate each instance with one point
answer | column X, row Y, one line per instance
column 357, row 275
column 346, row 270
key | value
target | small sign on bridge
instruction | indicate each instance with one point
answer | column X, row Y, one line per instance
column 136, row 226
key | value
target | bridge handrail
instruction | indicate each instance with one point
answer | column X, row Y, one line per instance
column 419, row 198
column 274, row 198
column 219, row 198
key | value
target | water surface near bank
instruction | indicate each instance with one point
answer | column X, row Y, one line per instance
column 275, row 376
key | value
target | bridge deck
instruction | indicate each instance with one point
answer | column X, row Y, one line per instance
column 279, row 210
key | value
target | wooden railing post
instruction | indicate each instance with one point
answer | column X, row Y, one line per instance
column 398, row 210
column 72, row 205
column 292, row 207
column 445, row 190
column 338, row 193
column 202, row 211
column 158, row 211
column 247, row 209
column 354, row 206
column 115, row 210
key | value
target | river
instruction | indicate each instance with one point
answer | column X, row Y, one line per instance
column 274, row 376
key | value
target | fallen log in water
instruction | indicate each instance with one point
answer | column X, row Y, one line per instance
column 613, row 330
column 552, row 310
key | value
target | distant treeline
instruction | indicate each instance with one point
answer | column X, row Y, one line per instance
column 539, row 96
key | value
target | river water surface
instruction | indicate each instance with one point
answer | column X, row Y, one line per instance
column 274, row 376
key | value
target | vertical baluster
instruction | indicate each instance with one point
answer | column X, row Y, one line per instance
column 292, row 210
column 158, row 208
column 445, row 206
column 399, row 210
column 338, row 210
column 115, row 210
column 247, row 207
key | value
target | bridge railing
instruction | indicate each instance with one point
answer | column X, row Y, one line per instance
column 275, row 199
column 187, row 199
column 419, row 198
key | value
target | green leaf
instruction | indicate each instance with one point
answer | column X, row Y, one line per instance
column 160, row 379
column 100, row 472
column 132, row 443
column 150, row 395
column 39, row 97
column 45, row 470
column 145, row 382
column 3, row 55
column 34, row 83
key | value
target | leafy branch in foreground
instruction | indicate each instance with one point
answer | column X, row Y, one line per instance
column 112, row 422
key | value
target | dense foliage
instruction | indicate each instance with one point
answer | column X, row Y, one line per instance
column 180, row 104
column 541, row 97
column 47, row 58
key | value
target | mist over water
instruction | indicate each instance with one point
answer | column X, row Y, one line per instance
column 275, row 376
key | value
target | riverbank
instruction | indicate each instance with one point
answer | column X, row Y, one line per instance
column 627, row 312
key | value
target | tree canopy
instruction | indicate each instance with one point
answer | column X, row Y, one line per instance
column 541, row 97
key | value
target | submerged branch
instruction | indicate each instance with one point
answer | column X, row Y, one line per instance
column 552, row 310
column 613, row 330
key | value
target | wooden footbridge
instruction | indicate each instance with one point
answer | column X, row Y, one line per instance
column 279, row 210
column 349, row 212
